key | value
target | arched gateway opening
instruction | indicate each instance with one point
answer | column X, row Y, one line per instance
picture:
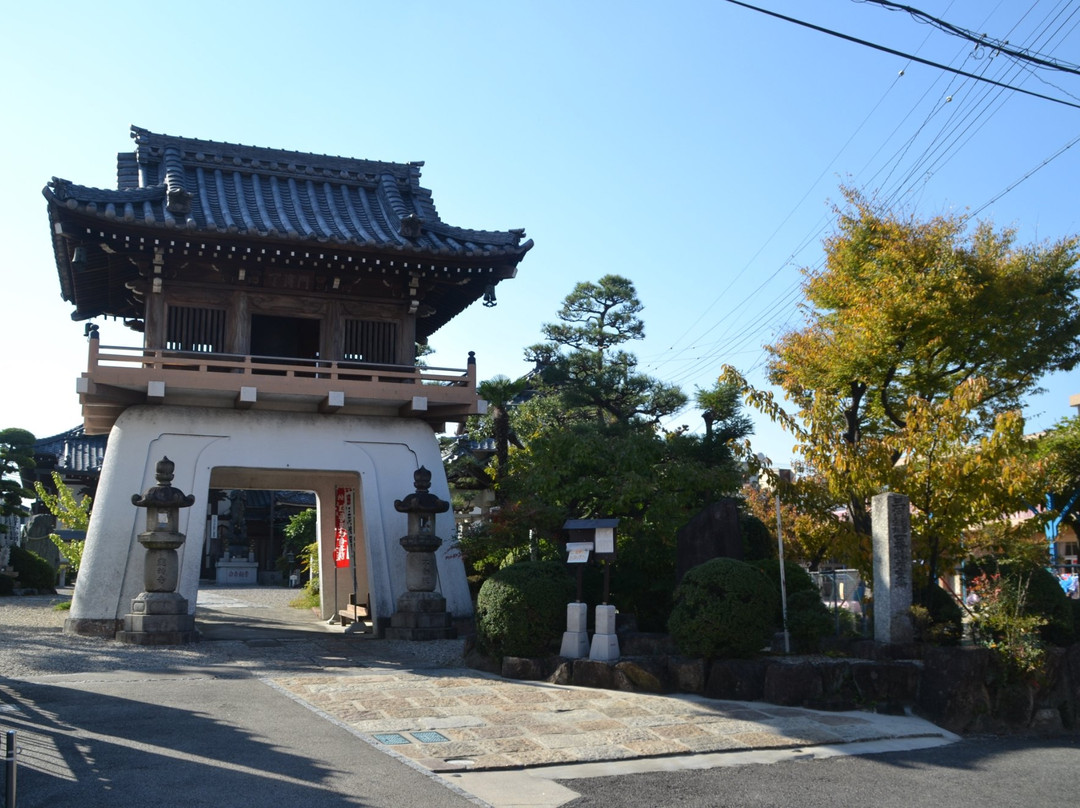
column 342, row 566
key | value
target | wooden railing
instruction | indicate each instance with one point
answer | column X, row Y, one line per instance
column 106, row 356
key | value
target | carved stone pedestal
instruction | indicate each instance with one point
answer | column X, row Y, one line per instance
column 158, row 618
column 421, row 616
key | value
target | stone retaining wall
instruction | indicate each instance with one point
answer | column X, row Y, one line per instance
column 962, row 689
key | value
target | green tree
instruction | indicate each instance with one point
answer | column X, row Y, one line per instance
column 500, row 392
column 590, row 447
column 921, row 338
column 16, row 456
column 72, row 513
column 907, row 309
column 584, row 360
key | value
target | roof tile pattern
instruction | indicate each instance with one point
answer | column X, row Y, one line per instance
column 209, row 187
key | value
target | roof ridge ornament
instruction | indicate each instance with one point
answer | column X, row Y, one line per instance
column 410, row 225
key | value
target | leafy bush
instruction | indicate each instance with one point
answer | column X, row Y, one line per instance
column 723, row 608
column 808, row 620
column 940, row 619
column 1001, row 623
column 71, row 550
column 796, row 580
column 7, row 585
column 757, row 540
column 34, row 571
column 521, row 609
column 1047, row 599
column 1043, row 597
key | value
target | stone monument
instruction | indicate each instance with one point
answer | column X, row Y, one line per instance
column 421, row 612
column 712, row 533
column 159, row 615
column 891, row 529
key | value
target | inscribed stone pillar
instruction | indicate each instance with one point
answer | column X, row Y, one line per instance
column 891, row 528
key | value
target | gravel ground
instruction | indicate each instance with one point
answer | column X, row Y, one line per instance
column 32, row 645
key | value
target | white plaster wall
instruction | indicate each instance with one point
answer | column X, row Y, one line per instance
column 382, row 452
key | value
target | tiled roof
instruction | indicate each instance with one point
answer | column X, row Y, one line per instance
column 75, row 452
column 205, row 187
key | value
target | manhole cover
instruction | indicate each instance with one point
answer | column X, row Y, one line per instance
column 430, row 737
column 392, row 739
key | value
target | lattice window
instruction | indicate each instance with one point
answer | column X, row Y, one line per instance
column 192, row 329
column 371, row 341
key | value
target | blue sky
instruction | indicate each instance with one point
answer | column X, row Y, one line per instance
column 695, row 148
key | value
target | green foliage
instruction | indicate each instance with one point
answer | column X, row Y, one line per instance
column 16, row 455
column 1001, row 622
column 34, row 571
column 796, row 580
column 1032, row 591
column 7, row 585
column 921, row 340
column 71, row 551
column 937, row 617
column 723, row 608
column 521, row 609
column 809, row 620
column 301, row 530
column 302, row 539
column 308, row 597
column 585, row 444
column 1047, row 599
column 582, row 357
column 73, row 513
column 758, row 543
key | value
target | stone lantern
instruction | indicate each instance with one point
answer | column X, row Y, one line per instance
column 421, row 611
column 159, row 615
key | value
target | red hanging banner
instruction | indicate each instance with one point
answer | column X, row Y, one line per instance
column 343, row 526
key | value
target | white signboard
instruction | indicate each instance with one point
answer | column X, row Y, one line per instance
column 605, row 540
column 578, row 551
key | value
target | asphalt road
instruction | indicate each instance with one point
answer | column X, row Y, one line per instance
column 982, row 772
column 125, row 741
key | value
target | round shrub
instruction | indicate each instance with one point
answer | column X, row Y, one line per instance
column 521, row 609
column 758, row 542
column 808, row 620
column 796, row 580
column 1046, row 598
column 34, row 571
column 944, row 619
column 723, row 608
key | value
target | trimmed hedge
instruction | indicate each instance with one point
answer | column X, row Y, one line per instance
column 808, row 621
column 758, row 542
column 796, row 580
column 723, row 608
column 521, row 609
column 946, row 625
column 34, row 571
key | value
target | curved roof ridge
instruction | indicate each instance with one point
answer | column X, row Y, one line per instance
column 144, row 138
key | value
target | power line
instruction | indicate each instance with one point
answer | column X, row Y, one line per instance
column 996, row 45
column 910, row 56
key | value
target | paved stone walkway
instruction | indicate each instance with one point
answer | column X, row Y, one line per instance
column 450, row 720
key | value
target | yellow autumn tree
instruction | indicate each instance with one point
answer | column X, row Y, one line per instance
column 921, row 339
